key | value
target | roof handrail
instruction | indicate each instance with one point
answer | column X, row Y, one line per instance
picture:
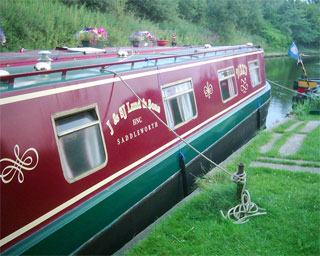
column 10, row 78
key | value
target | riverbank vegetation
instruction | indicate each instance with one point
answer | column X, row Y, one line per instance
column 291, row 200
column 273, row 24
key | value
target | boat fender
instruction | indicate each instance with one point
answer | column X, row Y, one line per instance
column 207, row 46
column 4, row 72
column 122, row 53
column 42, row 66
column 250, row 44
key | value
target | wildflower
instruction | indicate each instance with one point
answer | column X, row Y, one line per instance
column 2, row 37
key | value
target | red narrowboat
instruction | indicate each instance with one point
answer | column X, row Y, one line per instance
column 88, row 158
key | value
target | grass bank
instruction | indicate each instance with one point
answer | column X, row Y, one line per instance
column 292, row 202
column 32, row 24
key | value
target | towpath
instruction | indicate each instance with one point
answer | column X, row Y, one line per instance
column 286, row 145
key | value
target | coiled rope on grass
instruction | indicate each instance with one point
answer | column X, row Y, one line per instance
column 246, row 209
column 241, row 212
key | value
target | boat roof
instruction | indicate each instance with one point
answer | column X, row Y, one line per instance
column 68, row 64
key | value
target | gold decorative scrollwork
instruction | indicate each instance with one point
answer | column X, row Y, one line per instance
column 244, row 85
column 25, row 162
column 208, row 90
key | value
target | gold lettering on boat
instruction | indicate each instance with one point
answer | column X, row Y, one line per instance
column 110, row 127
column 241, row 70
column 137, row 121
column 123, row 112
column 116, row 118
column 133, row 106
column 136, row 133
column 130, row 107
column 153, row 106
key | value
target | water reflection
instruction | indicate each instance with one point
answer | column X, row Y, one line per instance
column 285, row 71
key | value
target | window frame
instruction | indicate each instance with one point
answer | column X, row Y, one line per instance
column 256, row 60
column 57, row 135
column 225, row 78
column 177, row 95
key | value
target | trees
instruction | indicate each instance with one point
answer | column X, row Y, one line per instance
column 193, row 10
column 157, row 11
column 277, row 21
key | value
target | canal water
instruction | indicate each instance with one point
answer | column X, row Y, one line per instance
column 285, row 71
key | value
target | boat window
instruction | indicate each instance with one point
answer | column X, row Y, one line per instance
column 254, row 73
column 179, row 103
column 228, row 84
column 80, row 142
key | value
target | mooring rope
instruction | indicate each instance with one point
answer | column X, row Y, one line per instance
column 291, row 90
column 160, row 120
column 240, row 212
column 239, row 179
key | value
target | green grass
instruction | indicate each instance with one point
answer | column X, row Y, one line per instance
column 310, row 146
column 292, row 202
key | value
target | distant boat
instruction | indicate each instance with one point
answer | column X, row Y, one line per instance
column 307, row 90
column 86, row 165
column 303, row 84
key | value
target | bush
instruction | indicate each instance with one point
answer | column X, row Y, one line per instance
column 274, row 37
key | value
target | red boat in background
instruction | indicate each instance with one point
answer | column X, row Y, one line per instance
column 86, row 164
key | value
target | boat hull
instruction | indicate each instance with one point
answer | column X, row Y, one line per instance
column 162, row 199
column 140, row 198
column 89, row 118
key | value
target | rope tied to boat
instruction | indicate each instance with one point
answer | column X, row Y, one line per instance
column 241, row 212
column 293, row 91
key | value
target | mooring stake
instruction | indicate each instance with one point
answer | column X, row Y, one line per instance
column 246, row 208
column 240, row 184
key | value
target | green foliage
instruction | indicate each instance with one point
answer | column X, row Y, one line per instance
column 274, row 37
column 155, row 10
column 32, row 24
column 116, row 7
column 295, row 19
column 193, row 10
column 301, row 110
